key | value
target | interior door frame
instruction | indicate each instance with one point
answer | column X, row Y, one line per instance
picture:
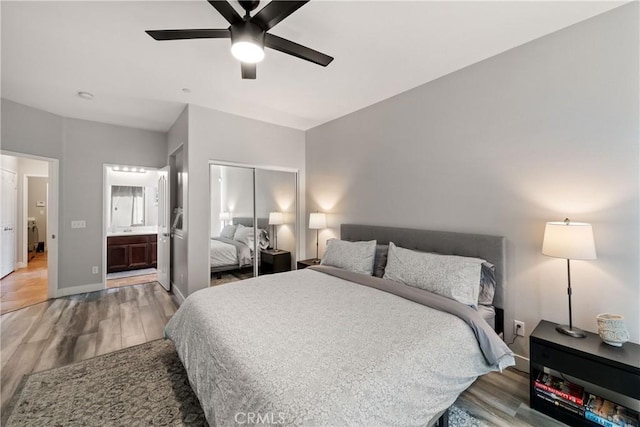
column 106, row 213
column 255, row 219
column 53, row 215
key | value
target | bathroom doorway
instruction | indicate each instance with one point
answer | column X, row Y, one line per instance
column 130, row 225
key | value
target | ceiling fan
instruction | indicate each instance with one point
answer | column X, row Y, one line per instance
column 249, row 34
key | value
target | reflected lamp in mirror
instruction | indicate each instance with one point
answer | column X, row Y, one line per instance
column 569, row 240
column 276, row 219
column 224, row 217
column 317, row 221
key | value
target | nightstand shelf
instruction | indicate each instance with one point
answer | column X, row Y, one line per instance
column 274, row 261
column 308, row 263
column 588, row 359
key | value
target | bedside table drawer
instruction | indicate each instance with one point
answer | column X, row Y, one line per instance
column 580, row 366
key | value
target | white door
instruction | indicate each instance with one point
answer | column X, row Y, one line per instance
column 164, row 241
column 9, row 195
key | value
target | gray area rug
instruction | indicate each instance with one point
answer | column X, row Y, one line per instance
column 141, row 385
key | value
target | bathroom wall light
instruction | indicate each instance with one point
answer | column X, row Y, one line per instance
column 128, row 169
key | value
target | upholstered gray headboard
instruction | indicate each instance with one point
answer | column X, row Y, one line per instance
column 263, row 223
column 490, row 248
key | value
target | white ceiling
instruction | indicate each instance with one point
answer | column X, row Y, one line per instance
column 51, row 50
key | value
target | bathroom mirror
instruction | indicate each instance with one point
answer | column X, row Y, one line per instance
column 127, row 206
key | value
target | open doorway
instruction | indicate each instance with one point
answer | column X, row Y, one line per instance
column 29, row 227
column 131, row 225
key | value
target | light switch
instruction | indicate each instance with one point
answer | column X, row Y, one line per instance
column 79, row 224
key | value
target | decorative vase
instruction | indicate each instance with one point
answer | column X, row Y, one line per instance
column 612, row 329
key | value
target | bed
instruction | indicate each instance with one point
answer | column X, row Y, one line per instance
column 326, row 346
column 226, row 254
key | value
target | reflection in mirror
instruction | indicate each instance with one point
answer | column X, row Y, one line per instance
column 127, row 206
column 232, row 240
column 276, row 200
column 239, row 248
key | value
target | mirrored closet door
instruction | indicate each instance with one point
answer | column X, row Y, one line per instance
column 253, row 221
column 276, row 201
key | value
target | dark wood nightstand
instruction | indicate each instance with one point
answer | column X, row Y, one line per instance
column 308, row 263
column 589, row 359
column 274, row 261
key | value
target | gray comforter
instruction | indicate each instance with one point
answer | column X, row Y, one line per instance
column 243, row 251
column 308, row 348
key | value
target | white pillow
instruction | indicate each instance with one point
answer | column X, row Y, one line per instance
column 228, row 231
column 454, row 277
column 353, row 256
column 244, row 235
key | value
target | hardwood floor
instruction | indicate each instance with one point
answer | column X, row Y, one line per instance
column 26, row 286
column 132, row 280
column 66, row 330
column 503, row 400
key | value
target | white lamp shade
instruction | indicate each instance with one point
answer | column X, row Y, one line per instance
column 225, row 216
column 276, row 218
column 317, row 221
column 572, row 240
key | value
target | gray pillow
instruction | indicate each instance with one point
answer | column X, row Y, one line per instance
column 380, row 260
column 353, row 256
column 228, row 231
column 487, row 284
column 451, row 276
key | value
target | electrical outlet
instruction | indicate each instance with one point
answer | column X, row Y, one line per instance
column 518, row 328
column 94, row 269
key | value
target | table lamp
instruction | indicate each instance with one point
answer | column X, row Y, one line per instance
column 276, row 219
column 224, row 217
column 317, row 221
column 569, row 240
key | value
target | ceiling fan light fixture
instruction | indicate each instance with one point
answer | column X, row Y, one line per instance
column 246, row 51
column 247, row 42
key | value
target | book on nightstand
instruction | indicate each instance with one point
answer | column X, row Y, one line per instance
column 560, row 402
column 561, row 388
column 609, row 414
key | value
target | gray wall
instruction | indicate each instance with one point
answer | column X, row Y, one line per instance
column 538, row 133
column 82, row 148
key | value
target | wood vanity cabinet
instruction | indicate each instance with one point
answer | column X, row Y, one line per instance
column 131, row 252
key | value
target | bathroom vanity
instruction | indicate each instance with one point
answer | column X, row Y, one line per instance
column 131, row 251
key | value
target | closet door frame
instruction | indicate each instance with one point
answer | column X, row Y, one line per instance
column 255, row 167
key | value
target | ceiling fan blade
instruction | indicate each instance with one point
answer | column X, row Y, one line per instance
column 226, row 10
column 248, row 71
column 189, row 34
column 275, row 12
column 297, row 50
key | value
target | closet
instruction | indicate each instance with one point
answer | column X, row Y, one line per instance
column 254, row 220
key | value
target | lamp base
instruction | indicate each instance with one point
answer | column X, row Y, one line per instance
column 572, row 332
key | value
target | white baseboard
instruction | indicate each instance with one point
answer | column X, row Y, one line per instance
column 20, row 265
column 522, row 363
column 63, row 292
column 177, row 293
